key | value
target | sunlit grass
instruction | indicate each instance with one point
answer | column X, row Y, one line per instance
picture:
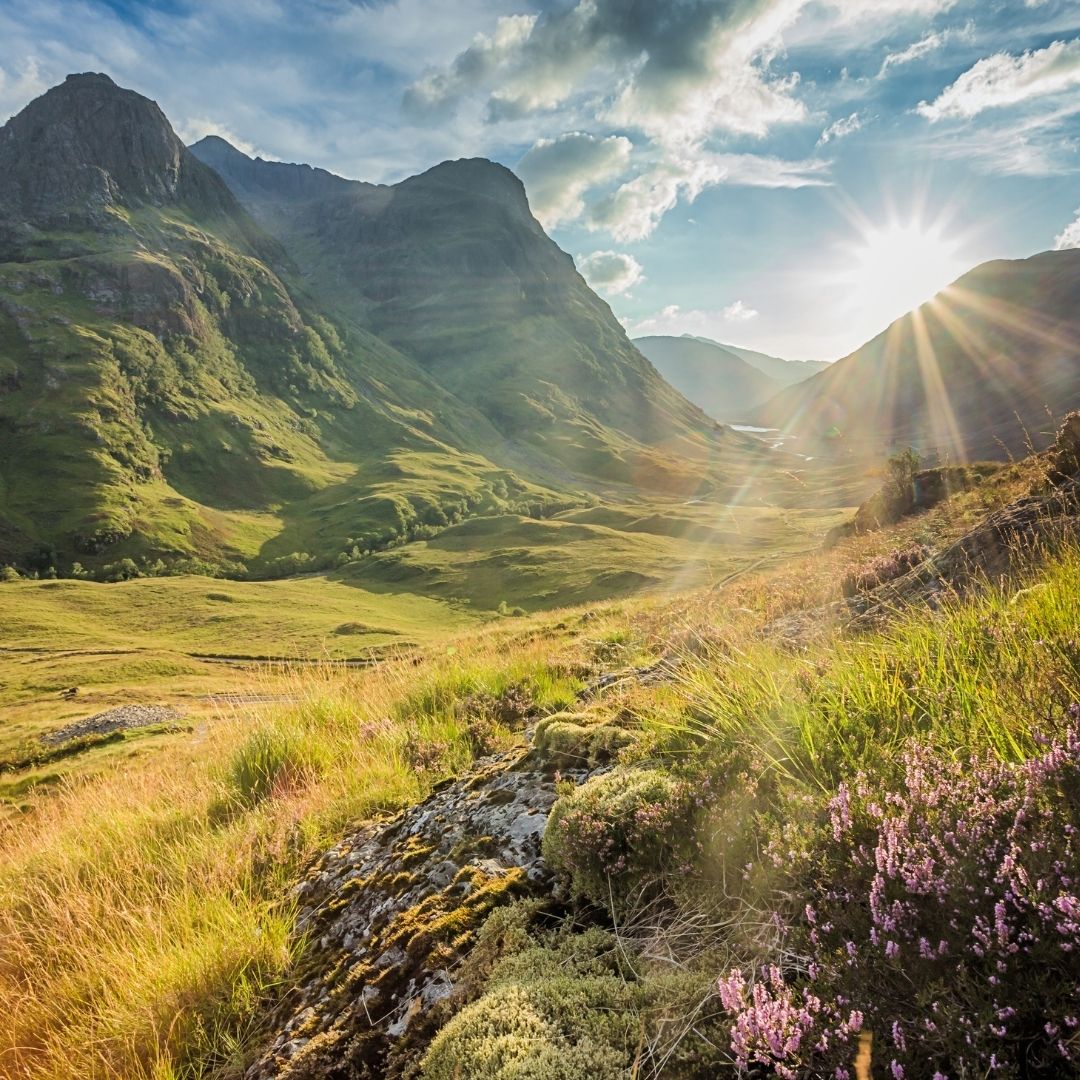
column 143, row 915
column 988, row 671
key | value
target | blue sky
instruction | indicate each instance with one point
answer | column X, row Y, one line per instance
column 787, row 175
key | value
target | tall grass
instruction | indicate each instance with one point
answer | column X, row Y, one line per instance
column 143, row 916
column 990, row 670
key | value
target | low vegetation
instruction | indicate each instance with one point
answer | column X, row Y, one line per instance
column 798, row 851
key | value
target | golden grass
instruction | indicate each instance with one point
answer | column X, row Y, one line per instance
column 143, row 913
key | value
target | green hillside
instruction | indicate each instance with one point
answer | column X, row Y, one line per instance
column 452, row 268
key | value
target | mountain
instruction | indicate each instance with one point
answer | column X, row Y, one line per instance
column 784, row 372
column 723, row 384
column 273, row 367
column 165, row 393
column 980, row 371
column 452, row 268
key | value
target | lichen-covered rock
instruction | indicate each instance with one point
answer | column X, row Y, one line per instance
column 390, row 911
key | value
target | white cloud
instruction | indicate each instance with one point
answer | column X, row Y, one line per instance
column 612, row 272
column 679, row 79
column 1031, row 146
column 1069, row 237
column 927, row 44
column 680, row 71
column 739, row 312
column 17, row 88
column 1002, row 79
column 558, row 172
column 674, row 320
column 840, row 129
column 487, row 57
column 676, row 75
column 634, row 209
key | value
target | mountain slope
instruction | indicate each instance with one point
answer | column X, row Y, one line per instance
column 452, row 268
column 164, row 392
column 785, row 372
column 723, row 384
column 975, row 372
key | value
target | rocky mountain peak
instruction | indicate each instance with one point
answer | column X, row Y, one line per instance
column 477, row 176
column 88, row 144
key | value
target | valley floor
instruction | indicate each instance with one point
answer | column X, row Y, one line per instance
column 684, row 834
column 70, row 650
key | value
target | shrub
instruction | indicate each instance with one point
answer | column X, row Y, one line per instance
column 9, row 573
column 946, row 917
column 620, row 830
column 121, row 570
column 567, row 740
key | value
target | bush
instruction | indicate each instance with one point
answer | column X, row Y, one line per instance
column 946, row 919
column 568, row 740
column 902, row 469
column 122, row 570
column 621, row 832
column 9, row 573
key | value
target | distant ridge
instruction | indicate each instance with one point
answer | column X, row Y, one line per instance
column 784, row 372
column 722, row 383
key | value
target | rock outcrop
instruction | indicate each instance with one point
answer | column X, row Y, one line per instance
column 390, row 911
column 87, row 146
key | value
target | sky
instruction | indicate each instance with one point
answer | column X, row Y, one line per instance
column 785, row 175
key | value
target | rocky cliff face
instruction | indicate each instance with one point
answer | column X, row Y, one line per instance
column 254, row 179
column 87, row 147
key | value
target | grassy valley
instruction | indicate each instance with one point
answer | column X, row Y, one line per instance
column 192, row 642
column 728, row 722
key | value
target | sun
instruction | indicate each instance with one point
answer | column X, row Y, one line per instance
column 897, row 266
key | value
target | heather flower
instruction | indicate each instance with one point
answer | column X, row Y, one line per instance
column 945, row 912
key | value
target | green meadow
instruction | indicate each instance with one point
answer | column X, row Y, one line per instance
column 200, row 644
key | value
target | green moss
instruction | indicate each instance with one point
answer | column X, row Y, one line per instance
column 414, row 850
column 560, row 1009
column 568, row 740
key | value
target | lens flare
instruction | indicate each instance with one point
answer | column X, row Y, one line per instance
column 898, row 266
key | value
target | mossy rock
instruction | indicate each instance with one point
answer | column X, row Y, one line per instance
column 567, row 740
